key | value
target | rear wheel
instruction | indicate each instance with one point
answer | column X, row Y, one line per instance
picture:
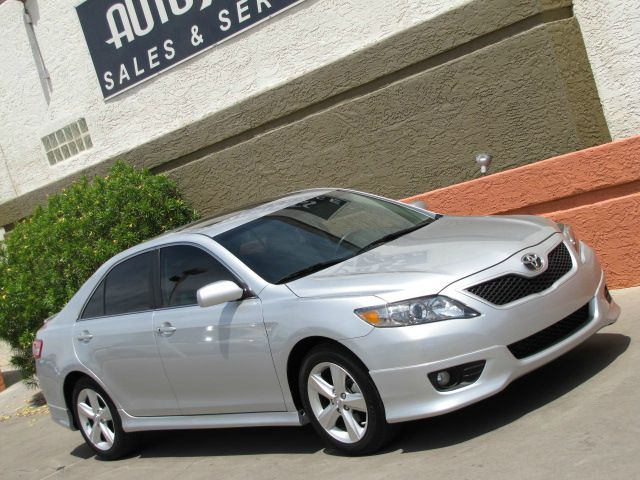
column 342, row 402
column 99, row 422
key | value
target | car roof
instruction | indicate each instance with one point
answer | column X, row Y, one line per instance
column 225, row 221
column 212, row 226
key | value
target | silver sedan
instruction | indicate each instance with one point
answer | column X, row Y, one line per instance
column 347, row 310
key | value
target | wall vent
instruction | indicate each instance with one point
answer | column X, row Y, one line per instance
column 67, row 142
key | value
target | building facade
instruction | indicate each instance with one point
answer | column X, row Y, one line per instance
column 390, row 97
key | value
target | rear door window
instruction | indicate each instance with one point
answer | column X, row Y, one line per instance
column 128, row 286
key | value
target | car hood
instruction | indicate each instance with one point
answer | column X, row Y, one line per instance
column 428, row 259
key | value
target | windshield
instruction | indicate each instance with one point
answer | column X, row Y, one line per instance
column 317, row 233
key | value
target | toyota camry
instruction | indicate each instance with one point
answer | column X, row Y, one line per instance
column 343, row 309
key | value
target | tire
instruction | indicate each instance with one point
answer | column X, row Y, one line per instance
column 342, row 402
column 92, row 406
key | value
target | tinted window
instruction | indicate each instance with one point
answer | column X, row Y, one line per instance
column 95, row 306
column 128, row 286
column 318, row 232
column 183, row 270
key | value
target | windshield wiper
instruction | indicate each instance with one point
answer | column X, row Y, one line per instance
column 311, row 269
column 394, row 235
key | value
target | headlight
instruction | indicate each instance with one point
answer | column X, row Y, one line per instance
column 415, row 312
column 567, row 231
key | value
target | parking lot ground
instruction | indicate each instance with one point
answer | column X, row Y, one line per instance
column 578, row 417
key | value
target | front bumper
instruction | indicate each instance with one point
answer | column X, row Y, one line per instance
column 400, row 359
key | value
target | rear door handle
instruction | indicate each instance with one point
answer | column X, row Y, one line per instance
column 85, row 337
column 166, row 329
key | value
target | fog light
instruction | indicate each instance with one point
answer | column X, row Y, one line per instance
column 456, row 377
column 443, row 378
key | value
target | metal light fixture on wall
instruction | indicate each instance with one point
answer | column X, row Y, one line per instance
column 484, row 161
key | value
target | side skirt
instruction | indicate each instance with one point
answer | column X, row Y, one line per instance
column 231, row 420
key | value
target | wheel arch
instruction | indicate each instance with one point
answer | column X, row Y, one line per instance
column 298, row 354
column 68, row 385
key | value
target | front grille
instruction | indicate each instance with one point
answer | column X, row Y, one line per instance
column 512, row 287
column 551, row 335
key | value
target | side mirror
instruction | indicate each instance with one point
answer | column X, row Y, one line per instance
column 219, row 292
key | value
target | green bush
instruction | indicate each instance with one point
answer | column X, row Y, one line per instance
column 49, row 255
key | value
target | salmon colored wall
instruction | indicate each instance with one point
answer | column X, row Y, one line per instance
column 596, row 191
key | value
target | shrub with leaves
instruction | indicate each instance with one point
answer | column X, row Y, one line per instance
column 49, row 255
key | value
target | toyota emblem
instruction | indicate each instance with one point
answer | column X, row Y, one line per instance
column 532, row 261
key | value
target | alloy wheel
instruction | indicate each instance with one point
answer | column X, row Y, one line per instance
column 95, row 419
column 337, row 402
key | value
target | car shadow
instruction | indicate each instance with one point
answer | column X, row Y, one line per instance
column 523, row 396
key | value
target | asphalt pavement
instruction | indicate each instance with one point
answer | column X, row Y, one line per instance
column 576, row 418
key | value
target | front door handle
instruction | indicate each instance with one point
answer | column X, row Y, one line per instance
column 85, row 337
column 166, row 329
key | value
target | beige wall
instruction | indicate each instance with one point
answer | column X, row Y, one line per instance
column 310, row 35
column 611, row 30
column 402, row 115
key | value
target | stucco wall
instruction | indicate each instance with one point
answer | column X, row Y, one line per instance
column 312, row 34
column 596, row 191
column 406, row 113
column 611, row 30
column 522, row 99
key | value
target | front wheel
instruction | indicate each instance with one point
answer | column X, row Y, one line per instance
column 342, row 402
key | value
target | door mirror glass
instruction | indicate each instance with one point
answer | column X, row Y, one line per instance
column 219, row 292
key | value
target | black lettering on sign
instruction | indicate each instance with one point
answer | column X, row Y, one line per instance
column 133, row 40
